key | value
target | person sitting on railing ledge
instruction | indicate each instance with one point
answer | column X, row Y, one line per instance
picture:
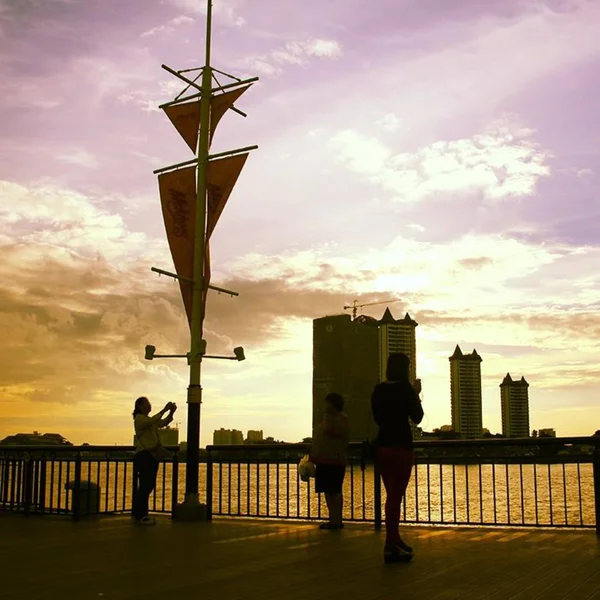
column 329, row 453
column 393, row 403
column 148, row 452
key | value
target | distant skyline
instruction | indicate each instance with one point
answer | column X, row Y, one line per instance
column 443, row 153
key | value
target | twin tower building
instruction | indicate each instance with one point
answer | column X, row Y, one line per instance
column 350, row 356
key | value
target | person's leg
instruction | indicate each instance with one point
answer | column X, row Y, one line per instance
column 147, row 469
column 138, row 502
column 387, row 464
column 329, row 502
column 404, row 469
column 335, row 504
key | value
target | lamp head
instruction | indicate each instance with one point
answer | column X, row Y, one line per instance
column 239, row 353
column 149, row 354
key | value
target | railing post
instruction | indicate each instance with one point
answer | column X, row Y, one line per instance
column 209, row 485
column 377, row 496
column 134, row 484
column 596, row 469
column 174, row 482
column 27, row 483
column 76, row 491
column 42, row 486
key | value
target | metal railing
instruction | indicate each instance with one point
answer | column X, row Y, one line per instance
column 542, row 482
column 78, row 480
column 534, row 482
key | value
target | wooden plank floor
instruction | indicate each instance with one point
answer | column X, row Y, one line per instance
column 228, row 559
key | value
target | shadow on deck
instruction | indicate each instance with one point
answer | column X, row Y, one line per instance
column 106, row 558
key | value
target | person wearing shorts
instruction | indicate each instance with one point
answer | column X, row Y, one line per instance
column 330, row 456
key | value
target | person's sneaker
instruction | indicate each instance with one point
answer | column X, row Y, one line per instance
column 404, row 546
column 395, row 554
column 145, row 521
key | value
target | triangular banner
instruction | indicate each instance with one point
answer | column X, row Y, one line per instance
column 186, row 116
column 186, row 119
column 222, row 177
column 178, row 201
column 220, row 104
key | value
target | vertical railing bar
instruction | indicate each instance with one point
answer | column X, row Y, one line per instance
column 60, row 462
column 494, row 493
column 239, row 488
column 441, row 494
column 522, row 494
column 124, row 496
column 550, row 494
column 507, row 494
column 535, row 493
column 248, row 477
column 43, row 469
column 52, row 483
column 163, row 467
column 287, row 485
column 309, row 500
column 98, row 479
column 175, row 485
column 257, row 487
column 454, row 491
column 468, row 497
column 564, row 472
column 220, row 486
column 116, row 491
column 363, row 494
column 351, row 465
column 229, row 487
column 106, row 455
column 298, row 496
column 277, row 467
column 268, row 494
column 428, row 491
column 416, row 469
column 579, row 489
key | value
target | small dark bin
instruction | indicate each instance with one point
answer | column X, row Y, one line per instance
column 89, row 496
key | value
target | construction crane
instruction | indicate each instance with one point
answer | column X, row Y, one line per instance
column 354, row 306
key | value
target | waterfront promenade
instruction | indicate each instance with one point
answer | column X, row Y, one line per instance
column 229, row 559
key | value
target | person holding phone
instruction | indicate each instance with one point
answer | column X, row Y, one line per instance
column 148, row 452
column 394, row 403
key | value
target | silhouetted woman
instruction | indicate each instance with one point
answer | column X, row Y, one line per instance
column 329, row 453
column 148, row 451
column 393, row 402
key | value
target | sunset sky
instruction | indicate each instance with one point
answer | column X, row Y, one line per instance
column 444, row 153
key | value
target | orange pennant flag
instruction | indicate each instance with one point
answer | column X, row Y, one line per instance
column 186, row 116
column 222, row 176
column 220, row 104
column 186, row 119
column 178, row 201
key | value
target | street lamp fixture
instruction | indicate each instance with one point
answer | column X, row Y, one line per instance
column 238, row 354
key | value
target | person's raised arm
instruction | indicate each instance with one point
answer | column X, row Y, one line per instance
column 415, row 408
column 172, row 407
column 143, row 422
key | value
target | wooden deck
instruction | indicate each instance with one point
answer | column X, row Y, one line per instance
column 54, row 558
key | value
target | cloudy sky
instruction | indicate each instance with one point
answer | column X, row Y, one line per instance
column 444, row 153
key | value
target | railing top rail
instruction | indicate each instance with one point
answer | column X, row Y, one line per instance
column 64, row 448
column 491, row 442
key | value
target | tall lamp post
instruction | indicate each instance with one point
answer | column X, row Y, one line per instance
column 195, row 117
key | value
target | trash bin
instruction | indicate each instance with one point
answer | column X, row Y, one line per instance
column 89, row 496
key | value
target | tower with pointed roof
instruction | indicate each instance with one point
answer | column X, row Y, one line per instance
column 514, row 396
column 465, row 393
column 397, row 335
